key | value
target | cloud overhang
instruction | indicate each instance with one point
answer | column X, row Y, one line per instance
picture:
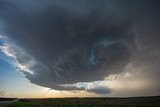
column 68, row 45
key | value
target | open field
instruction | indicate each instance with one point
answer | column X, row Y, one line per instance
column 89, row 102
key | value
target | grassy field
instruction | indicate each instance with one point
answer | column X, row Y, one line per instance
column 89, row 102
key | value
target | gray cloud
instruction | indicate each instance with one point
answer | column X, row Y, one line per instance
column 80, row 41
column 100, row 90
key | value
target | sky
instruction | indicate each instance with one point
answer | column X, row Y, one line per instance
column 79, row 48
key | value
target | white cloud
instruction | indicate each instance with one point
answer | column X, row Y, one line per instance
column 14, row 51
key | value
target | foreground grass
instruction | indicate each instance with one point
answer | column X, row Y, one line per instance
column 89, row 102
column 25, row 104
column 32, row 104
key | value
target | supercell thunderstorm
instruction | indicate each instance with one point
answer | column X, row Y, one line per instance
column 70, row 42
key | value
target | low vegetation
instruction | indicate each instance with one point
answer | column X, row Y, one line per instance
column 89, row 102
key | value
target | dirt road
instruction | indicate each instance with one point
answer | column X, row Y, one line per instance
column 5, row 103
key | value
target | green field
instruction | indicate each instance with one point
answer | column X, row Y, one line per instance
column 89, row 102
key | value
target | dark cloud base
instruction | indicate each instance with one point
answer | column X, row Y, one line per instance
column 75, row 41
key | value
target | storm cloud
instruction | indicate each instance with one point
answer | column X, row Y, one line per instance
column 71, row 41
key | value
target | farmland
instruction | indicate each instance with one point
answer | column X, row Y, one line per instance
column 89, row 102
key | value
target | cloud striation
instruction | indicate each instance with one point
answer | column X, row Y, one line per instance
column 68, row 42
